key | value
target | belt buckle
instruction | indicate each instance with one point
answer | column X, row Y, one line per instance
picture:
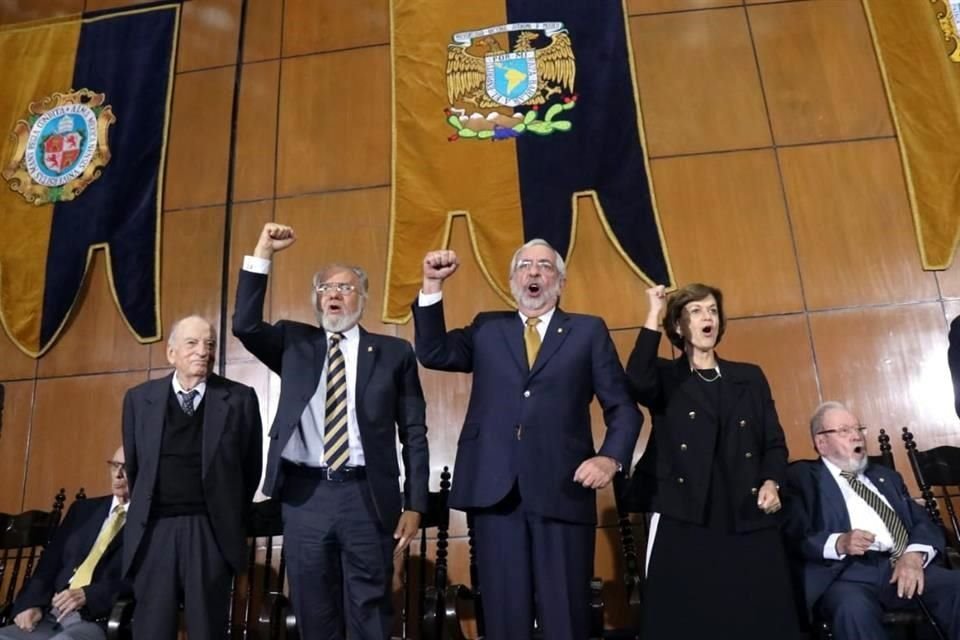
column 329, row 473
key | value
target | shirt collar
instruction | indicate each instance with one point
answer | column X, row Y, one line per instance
column 351, row 335
column 178, row 388
column 115, row 502
column 544, row 319
column 834, row 470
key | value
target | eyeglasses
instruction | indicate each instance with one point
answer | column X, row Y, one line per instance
column 117, row 467
column 543, row 265
column 846, row 432
column 341, row 287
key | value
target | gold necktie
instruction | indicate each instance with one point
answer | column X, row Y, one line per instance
column 531, row 339
column 84, row 573
column 336, row 440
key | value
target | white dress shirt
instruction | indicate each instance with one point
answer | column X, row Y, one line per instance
column 201, row 389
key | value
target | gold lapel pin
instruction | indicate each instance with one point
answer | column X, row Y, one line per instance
column 370, row 349
column 559, row 329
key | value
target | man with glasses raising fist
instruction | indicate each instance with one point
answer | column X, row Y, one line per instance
column 346, row 394
column 861, row 543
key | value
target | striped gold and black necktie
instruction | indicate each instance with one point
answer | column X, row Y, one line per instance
column 336, row 443
column 890, row 518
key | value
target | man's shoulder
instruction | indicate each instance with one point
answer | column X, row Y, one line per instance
column 150, row 385
column 804, row 471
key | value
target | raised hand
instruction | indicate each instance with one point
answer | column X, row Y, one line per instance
column 657, row 300
column 274, row 237
column 437, row 267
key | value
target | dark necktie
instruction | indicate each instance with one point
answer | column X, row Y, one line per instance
column 186, row 401
column 888, row 515
column 336, row 443
column 531, row 340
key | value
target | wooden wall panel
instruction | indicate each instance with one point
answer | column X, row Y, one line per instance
column 198, row 151
column 248, row 221
column 312, row 27
column 780, row 345
column 334, row 135
column 852, row 225
column 76, row 428
column 14, row 364
column 698, row 82
column 96, row 338
column 254, row 161
column 15, row 444
column 637, row 7
column 819, row 73
column 337, row 227
column 209, row 31
column 949, row 280
column 263, row 30
column 190, row 278
column 725, row 224
column 24, row 10
column 889, row 364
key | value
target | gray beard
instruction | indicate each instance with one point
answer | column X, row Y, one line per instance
column 339, row 324
column 854, row 466
column 547, row 299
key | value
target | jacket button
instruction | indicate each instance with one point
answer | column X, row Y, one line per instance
column 753, row 490
column 743, row 423
column 748, row 455
column 692, row 414
column 680, row 480
column 526, row 394
column 683, row 446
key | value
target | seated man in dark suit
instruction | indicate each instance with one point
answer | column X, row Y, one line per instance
column 861, row 542
column 78, row 576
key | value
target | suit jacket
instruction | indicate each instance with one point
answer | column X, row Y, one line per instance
column 231, row 459
column 71, row 543
column 531, row 426
column 815, row 509
column 389, row 399
column 673, row 476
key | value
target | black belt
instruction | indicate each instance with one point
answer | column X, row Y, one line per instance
column 343, row 474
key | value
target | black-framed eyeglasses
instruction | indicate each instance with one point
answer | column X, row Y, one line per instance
column 542, row 264
column 117, row 467
column 341, row 287
column 846, row 432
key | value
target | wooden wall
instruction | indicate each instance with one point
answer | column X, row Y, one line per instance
column 774, row 161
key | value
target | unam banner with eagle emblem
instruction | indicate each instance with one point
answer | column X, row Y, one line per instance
column 506, row 113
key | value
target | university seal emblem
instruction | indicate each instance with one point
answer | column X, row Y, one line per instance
column 493, row 79
column 61, row 146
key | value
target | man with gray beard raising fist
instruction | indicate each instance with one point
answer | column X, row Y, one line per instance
column 346, row 394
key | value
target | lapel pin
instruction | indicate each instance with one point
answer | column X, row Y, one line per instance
column 370, row 349
column 881, row 479
column 559, row 329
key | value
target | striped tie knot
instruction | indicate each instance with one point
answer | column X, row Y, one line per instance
column 889, row 517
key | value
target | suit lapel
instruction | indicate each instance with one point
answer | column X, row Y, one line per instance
column 215, row 412
column 91, row 528
column 512, row 328
column 366, row 357
column 152, row 426
column 556, row 334
column 319, row 357
column 834, row 509
column 734, row 386
column 877, row 477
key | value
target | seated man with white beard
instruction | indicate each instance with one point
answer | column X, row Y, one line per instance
column 346, row 395
column 862, row 545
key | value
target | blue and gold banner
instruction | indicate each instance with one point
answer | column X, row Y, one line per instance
column 84, row 102
column 506, row 112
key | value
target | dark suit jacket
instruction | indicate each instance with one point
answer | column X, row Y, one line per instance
column 815, row 509
column 673, row 476
column 388, row 396
column 71, row 543
column 953, row 357
column 531, row 426
column 232, row 446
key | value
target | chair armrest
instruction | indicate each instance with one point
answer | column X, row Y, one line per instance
column 118, row 624
column 596, row 608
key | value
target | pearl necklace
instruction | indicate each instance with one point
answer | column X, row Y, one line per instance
column 704, row 378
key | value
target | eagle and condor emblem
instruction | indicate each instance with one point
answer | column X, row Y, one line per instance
column 485, row 73
column 61, row 147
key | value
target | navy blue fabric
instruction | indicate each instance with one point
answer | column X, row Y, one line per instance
column 128, row 58
column 602, row 151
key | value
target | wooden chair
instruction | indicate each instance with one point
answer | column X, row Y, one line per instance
column 937, row 472
column 22, row 539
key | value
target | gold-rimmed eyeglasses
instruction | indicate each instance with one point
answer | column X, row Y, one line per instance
column 846, row 432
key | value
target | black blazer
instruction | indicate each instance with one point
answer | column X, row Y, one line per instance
column 815, row 509
column 71, row 543
column 232, row 455
column 953, row 358
column 531, row 426
column 388, row 396
column 673, row 476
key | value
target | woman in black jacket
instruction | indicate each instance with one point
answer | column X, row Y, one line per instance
column 710, row 475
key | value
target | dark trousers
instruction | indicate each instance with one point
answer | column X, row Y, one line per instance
column 339, row 559
column 854, row 603
column 179, row 561
column 529, row 563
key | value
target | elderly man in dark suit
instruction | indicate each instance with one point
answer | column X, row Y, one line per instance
column 346, row 395
column 79, row 573
column 193, row 442
column 526, row 466
column 862, row 544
